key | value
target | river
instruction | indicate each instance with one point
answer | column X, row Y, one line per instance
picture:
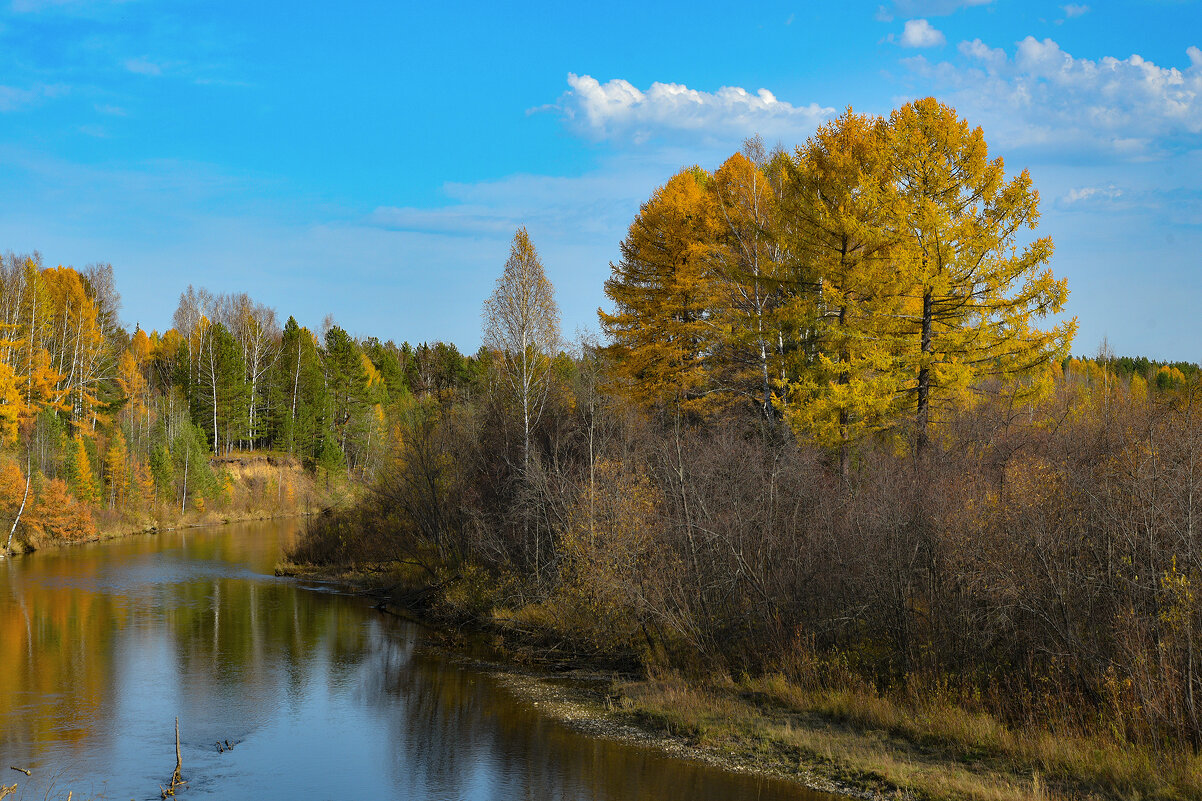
column 321, row 697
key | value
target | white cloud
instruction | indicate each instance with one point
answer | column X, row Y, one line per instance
column 619, row 110
column 1075, row 10
column 143, row 66
column 925, row 8
column 993, row 57
column 34, row 6
column 1085, row 193
column 593, row 207
column 13, row 98
column 70, row 7
column 1043, row 96
column 920, row 33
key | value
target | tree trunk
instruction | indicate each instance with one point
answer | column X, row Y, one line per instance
column 184, row 497
column 295, row 386
column 28, row 476
column 924, row 376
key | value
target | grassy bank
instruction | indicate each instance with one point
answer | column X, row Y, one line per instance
column 935, row 751
column 835, row 734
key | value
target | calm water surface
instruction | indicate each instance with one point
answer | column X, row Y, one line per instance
column 101, row 646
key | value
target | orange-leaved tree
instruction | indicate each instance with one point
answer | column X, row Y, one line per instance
column 662, row 328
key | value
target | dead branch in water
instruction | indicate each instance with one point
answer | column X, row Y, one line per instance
column 7, row 791
column 22, row 770
column 177, row 777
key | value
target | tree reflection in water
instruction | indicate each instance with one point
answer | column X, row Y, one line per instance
column 102, row 646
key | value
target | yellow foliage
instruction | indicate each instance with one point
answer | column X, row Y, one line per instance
column 142, row 485
column 85, row 480
column 130, row 380
column 12, row 485
column 840, row 202
column 749, row 277
column 610, row 551
column 663, row 294
column 374, row 378
column 140, row 347
column 974, row 294
column 78, row 347
column 117, row 470
column 12, row 406
column 1139, row 389
column 1180, row 609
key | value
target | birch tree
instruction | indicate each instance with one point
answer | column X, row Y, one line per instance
column 750, row 253
column 257, row 332
column 521, row 323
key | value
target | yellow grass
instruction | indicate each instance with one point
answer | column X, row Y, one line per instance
column 864, row 739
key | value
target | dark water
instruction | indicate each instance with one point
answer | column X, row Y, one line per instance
column 101, row 646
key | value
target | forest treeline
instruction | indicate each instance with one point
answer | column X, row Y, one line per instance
column 833, row 433
column 827, row 438
column 227, row 413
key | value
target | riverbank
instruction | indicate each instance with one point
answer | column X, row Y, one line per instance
column 255, row 486
column 852, row 740
column 125, row 529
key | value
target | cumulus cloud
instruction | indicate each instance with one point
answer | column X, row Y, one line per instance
column 1042, row 95
column 992, row 57
column 1075, row 10
column 617, row 109
column 920, row 33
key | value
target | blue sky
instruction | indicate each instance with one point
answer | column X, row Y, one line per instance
column 373, row 162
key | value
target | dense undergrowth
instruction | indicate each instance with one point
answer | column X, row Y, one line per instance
column 1018, row 603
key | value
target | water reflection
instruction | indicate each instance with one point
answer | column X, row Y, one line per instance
column 102, row 646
